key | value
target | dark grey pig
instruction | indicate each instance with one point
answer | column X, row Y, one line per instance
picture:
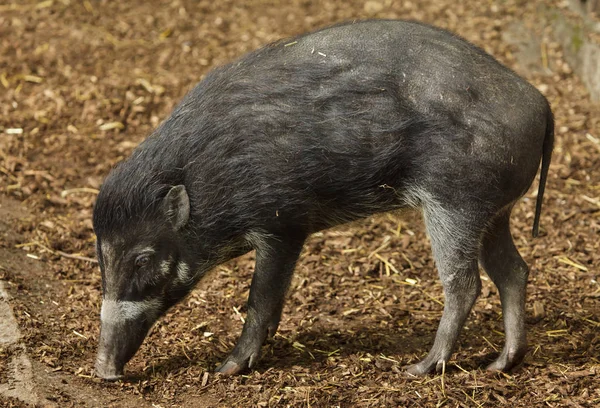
column 312, row 132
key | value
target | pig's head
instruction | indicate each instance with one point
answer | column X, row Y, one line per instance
column 146, row 264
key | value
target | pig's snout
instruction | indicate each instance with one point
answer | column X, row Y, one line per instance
column 106, row 367
column 124, row 326
column 111, row 357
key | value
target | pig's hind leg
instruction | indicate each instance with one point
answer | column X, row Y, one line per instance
column 509, row 272
column 275, row 261
column 455, row 235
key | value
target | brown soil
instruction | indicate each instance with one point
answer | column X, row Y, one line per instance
column 87, row 80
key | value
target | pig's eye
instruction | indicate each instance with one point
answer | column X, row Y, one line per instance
column 142, row 260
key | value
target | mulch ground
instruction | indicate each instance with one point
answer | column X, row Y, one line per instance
column 82, row 82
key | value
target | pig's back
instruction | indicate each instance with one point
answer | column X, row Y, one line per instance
column 430, row 68
column 339, row 123
column 388, row 67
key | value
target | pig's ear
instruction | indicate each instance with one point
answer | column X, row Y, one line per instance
column 176, row 206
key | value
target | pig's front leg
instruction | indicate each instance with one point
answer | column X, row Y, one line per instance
column 275, row 261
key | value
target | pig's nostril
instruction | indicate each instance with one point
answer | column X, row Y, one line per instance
column 108, row 375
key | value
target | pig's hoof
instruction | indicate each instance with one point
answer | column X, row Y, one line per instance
column 233, row 365
column 230, row 368
column 425, row 367
column 419, row 369
column 507, row 361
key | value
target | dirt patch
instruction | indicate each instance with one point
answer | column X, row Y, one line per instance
column 83, row 82
column 9, row 331
column 16, row 380
column 15, row 375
